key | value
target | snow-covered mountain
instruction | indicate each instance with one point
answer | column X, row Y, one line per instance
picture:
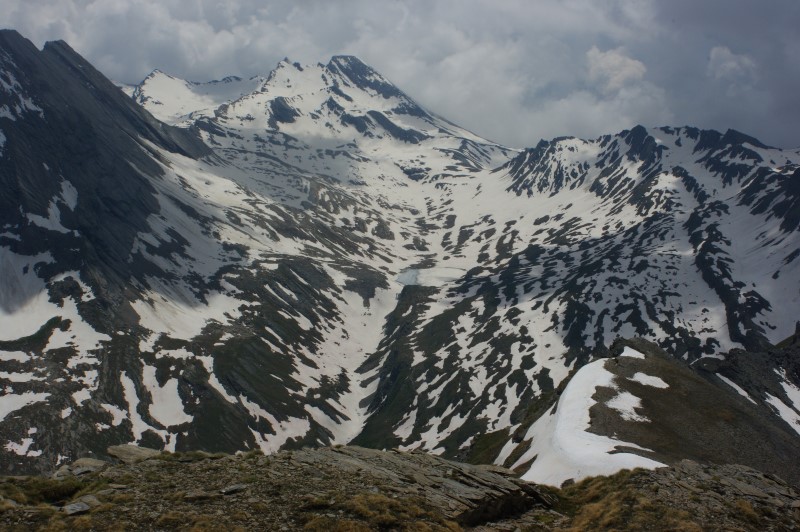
column 176, row 101
column 312, row 258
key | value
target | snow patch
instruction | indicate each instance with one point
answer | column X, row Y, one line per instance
column 632, row 353
column 788, row 414
column 118, row 415
column 626, row 404
column 138, row 425
column 52, row 222
column 11, row 402
column 24, row 301
column 406, row 427
column 167, row 407
column 208, row 364
column 69, row 194
column 649, row 380
column 22, row 448
column 736, row 387
column 15, row 356
column 20, row 376
column 435, row 276
column 792, row 391
column 176, row 354
column 180, row 315
column 84, row 394
column 79, row 335
column 284, row 430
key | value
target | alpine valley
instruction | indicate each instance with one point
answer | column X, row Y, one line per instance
column 311, row 258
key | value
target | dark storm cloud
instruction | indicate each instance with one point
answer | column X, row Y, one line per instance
column 511, row 70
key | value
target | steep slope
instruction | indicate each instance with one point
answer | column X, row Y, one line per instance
column 644, row 408
column 334, row 263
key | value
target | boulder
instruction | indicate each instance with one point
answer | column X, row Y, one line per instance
column 91, row 500
column 131, row 454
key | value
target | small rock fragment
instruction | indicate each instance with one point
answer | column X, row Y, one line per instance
column 90, row 463
column 8, row 502
column 62, row 472
column 76, row 508
column 496, row 469
column 747, row 489
column 687, row 486
column 776, row 503
column 235, row 488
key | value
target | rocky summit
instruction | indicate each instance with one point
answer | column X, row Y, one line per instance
column 352, row 488
column 309, row 258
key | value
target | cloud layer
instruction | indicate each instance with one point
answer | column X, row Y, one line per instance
column 514, row 71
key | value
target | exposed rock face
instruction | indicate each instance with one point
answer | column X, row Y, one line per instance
column 351, row 488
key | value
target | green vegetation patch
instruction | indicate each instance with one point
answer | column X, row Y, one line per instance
column 38, row 490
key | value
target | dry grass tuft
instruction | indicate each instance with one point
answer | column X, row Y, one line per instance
column 605, row 503
column 172, row 520
column 745, row 509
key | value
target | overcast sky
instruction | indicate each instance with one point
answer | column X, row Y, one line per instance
column 513, row 71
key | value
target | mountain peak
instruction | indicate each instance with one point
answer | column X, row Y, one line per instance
column 13, row 43
column 8, row 36
column 157, row 73
column 286, row 67
column 345, row 60
column 362, row 75
column 733, row 136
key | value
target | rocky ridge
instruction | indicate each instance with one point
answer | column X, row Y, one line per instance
column 353, row 488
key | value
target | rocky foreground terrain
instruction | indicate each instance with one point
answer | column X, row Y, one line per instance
column 352, row 489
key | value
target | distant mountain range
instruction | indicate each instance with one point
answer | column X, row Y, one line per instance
column 311, row 258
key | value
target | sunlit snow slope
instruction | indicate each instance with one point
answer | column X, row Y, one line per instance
column 313, row 258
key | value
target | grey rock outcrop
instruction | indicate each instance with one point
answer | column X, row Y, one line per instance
column 131, row 454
